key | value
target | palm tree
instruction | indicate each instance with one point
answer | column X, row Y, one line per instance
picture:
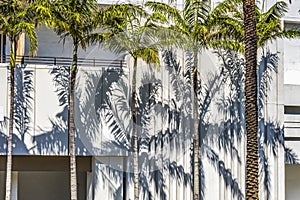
column 251, row 117
column 268, row 23
column 255, row 29
column 73, row 19
column 16, row 19
column 200, row 25
column 139, row 41
column 78, row 20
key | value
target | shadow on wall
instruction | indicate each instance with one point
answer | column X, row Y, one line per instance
column 90, row 133
column 164, row 121
column 164, row 134
column 56, row 140
column 22, row 112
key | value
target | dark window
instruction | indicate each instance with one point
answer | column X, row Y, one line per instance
column 292, row 110
column 291, row 25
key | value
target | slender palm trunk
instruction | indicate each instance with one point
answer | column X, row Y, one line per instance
column 134, row 135
column 73, row 169
column 252, row 174
column 195, row 126
column 195, row 111
column 12, row 63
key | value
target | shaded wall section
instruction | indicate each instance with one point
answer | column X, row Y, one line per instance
column 164, row 124
column 45, row 178
column 41, row 110
column 292, row 182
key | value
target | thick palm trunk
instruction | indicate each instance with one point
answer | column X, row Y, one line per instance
column 73, row 169
column 195, row 126
column 12, row 63
column 252, row 175
column 134, row 135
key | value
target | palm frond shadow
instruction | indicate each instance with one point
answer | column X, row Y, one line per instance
column 109, row 176
column 231, row 105
column 23, row 100
column 86, row 122
column 211, row 134
column 267, row 65
column 113, row 108
column 271, row 134
column 23, row 103
column 3, row 136
column 174, row 132
column 55, row 141
column 290, row 156
column 23, row 110
column 175, row 118
column 152, row 166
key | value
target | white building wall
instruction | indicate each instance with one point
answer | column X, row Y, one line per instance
column 103, row 93
column 94, row 131
column 52, row 46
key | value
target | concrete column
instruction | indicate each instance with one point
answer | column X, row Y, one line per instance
column 90, row 176
column 14, row 188
column 21, row 45
column 89, row 185
column 280, row 118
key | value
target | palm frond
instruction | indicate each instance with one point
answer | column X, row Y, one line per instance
column 15, row 19
column 196, row 11
column 74, row 19
column 277, row 11
column 170, row 12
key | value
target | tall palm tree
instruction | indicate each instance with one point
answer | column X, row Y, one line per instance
column 139, row 41
column 248, row 24
column 251, row 116
column 199, row 24
column 16, row 19
column 73, row 19
column 79, row 21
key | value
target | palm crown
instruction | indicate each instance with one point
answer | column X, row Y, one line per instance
column 268, row 23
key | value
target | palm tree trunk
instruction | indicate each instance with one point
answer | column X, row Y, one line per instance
column 134, row 135
column 73, row 171
column 252, row 175
column 195, row 126
column 12, row 63
column 195, row 111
